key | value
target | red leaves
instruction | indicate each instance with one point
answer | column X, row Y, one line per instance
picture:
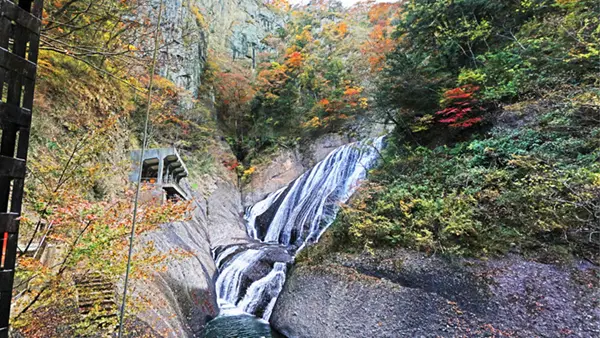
column 234, row 90
column 231, row 164
column 460, row 111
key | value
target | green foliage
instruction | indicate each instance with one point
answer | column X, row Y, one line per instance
column 509, row 48
column 522, row 187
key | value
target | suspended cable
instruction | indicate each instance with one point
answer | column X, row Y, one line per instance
column 140, row 165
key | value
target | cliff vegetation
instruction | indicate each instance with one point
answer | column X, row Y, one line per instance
column 495, row 149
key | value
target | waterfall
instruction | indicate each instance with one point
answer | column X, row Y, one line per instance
column 230, row 278
column 251, row 276
column 267, row 287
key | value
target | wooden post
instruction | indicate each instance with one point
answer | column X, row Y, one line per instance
column 20, row 24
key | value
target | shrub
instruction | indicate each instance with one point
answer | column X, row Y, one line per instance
column 461, row 109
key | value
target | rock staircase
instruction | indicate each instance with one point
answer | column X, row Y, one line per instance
column 97, row 303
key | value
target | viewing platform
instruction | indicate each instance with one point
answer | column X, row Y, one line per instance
column 164, row 168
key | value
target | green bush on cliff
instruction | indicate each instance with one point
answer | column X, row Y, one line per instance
column 521, row 187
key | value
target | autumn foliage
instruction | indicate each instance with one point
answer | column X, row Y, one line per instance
column 314, row 79
column 380, row 41
column 77, row 208
column 70, row 207
column 294, row 60
column 380, row 14
column 461, row 109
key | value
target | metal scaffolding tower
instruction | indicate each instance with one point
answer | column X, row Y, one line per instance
column 19, row 44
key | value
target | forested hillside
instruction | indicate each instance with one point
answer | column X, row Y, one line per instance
column 91, row 98
column 318, row 77
column 494, row 107
column 496, row 144
column 491, row 111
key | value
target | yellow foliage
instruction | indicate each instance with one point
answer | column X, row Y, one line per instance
column 315, row 122
column 363, row 102
column 200, row 20
column 249, row 171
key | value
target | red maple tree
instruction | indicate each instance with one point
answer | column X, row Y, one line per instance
column 461, row 109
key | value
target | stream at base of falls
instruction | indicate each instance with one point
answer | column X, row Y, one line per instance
column 251, row 275
column 239, row 326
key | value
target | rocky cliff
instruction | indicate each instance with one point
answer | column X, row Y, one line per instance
column 190, row 28
column 184, row 51
column 407, row 294
column 183, row 297
column 237, row 27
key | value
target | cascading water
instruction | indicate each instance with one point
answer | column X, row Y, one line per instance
column 252, row 275
column 299, row 213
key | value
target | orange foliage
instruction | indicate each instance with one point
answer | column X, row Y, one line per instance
column 341, row 29
column 381, row 14
column 352, row 91
column 270, row 79
column 294, row 60
column 380, row 42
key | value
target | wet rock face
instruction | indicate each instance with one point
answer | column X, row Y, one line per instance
column 287, row 165
column 403, row 294
column 250, row 277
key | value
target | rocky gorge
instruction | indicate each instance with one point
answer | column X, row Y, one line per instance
column 184, row 296
column 406, row 294
column 393, row 293
column 318, row 205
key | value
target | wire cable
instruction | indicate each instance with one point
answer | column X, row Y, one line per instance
column 141, row 163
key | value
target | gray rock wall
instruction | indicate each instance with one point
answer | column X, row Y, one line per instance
column 190, row 28
column 182, row 299
column 183, row 42
column 403, row 294
column 235, row 26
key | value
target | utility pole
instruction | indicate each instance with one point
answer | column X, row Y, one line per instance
column 20, row 23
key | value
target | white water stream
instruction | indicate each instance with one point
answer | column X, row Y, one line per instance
column 251, row 277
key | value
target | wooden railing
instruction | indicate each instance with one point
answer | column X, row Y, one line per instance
column 19, row 44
